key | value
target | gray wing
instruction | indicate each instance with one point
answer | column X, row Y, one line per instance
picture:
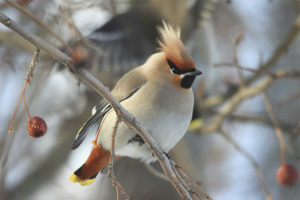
column 101, row 110
column 129, row 84
column 127, row 39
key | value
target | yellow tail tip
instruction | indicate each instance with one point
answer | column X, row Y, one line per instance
column 195, row 124
column 76, row 179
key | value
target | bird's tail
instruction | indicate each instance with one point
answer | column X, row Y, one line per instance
column 97, row 160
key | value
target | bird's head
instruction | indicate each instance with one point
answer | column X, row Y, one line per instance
column 178, row 65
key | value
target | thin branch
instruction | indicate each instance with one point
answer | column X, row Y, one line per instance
column 37, row 21
column 111, row 173
column 181, row 175
column 10, row 130
column 238, row 66
column 246, row 93
column 236, row 60
column 192, row 183
column 27, row 81
column 230, row 64
column 36, row 41
column 280, row 50
column 85, row 40
column 259, row 118
column 288, row 127
column 98, row 86
column 255, row 165
column 112, row 151
column 35, row 60
column 277, row 128
column 24, row 100
column 29, row 75
column 192, row 193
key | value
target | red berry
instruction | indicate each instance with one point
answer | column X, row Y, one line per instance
column 80, row 55
column 287, row 174
column 36, row 127
column 24, row 2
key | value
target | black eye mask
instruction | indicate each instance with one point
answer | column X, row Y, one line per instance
column 187, row 77
column 175, row 70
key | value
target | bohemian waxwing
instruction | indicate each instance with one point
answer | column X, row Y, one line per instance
column 158, row 93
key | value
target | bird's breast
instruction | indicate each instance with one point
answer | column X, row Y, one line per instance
column 164, row 112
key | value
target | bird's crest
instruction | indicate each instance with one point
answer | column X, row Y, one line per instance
column 173, row 47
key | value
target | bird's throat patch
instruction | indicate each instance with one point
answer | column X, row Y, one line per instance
column 187, row 81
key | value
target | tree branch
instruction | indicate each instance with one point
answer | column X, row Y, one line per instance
column 282, row 48
column 36, row 20
column 36, row 41
column 255, row 165
column 245, row 93
column 263, row 69
column 277, row 128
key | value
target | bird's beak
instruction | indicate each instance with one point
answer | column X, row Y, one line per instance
column 194, row 73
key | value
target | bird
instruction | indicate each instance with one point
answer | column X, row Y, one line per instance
column 158, row 93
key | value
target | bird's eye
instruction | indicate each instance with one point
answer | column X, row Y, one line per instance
column 174, row 69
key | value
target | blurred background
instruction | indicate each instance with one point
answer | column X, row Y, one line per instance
column 119, row 35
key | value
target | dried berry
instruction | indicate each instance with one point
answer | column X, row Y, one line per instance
column 36, row 127
column 24, row 2
column 80, row 55
column 287, row 174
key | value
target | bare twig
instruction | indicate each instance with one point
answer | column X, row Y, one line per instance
column 255, row 165
column 192, row 193
column 192, row 183
column 277, row 128
column 27, row 81
column 111, row 173
column 280, row 50
column 288, row 127
column 37, row 21
column 10, row 130
column 230, row 64
column 245, row 93
column 29, row 75
column 236, row 60
column 35, row 59
column 36, row 41
column 259, row 118
column 112, row 148
column 78, row 33
column 128, row 118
